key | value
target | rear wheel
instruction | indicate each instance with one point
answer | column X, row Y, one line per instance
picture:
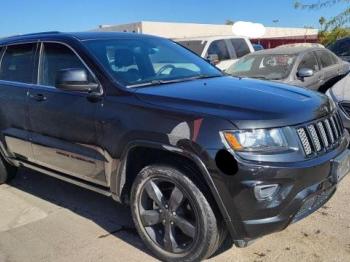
column 7, row 172
column 172, row 215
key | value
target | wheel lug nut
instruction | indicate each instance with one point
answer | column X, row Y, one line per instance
column 172, row 223
column 160, row 211
column 174, row 213
column 163, row 221
column 166, row 206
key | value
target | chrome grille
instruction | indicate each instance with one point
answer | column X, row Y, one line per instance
column 320, row 135
column 314, row 137
column 329, row 131
column 304, row 140
column 334, row 128
column 323, row 134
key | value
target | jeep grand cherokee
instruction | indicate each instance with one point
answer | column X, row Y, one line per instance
column 195, row 153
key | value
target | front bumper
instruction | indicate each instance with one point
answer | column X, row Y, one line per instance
column 303, row 188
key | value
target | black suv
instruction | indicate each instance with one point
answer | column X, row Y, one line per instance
column 195, row 153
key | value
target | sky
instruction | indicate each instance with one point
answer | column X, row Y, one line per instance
column 25, row 16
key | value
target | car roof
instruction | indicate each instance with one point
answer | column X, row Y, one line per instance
column 209, row 38
column 287, row 50
column 81, row 36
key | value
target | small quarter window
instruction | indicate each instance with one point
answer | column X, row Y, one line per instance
column 17, row 63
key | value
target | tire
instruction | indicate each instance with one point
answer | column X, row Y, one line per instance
column 173, row 217
column 7, row 172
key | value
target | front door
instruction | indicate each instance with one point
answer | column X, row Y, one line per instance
column 313, row 82
column 62, row 123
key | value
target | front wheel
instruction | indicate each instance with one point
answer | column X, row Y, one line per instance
column 172, row 215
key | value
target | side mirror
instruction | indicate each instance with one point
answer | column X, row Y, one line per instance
column 74, row 79
column 305, row 72
column 213, row 59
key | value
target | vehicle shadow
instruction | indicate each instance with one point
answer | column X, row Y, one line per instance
column 104, row 211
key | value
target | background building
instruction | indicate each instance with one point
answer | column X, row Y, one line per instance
column 273, row 37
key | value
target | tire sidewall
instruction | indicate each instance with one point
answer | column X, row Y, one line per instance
column 205, row 229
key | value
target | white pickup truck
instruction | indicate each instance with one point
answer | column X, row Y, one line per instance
column 223, row 51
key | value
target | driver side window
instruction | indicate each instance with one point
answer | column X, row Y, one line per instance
column 309, row 61
column 56, row 57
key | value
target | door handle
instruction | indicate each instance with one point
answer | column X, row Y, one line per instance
column 38, row 97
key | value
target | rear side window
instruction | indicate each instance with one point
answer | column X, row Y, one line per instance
column 309, row 61
column 56, row 57
column 219, row 48
column 325, row 58
column 241, row 47
column 196, row 46
column 17, row 63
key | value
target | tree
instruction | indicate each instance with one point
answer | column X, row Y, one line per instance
column 229, row 22
column 329, row 37
column 341, row 19
column 322, row 21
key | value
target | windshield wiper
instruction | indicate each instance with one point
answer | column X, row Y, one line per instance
column 260, row 77
column 163, row 82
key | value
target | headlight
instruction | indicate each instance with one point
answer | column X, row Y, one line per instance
column 258, row 140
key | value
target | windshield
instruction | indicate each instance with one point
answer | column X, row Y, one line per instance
column 269, row 67
column 149, row 61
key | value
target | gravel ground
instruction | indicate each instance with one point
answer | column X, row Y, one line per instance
column 44, row 219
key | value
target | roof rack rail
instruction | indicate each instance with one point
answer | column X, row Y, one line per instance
column 40, row 33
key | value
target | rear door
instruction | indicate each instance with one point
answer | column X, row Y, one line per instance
column 63, row 123
column 16, row 77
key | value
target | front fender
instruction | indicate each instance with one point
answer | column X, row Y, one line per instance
column 118, row 180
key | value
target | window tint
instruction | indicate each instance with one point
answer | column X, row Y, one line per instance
column 196, row 46
column 18, row 63
column 56, row 57
column 325, row 58
column 219, row 48
column 309, row 61
column 148, row 61
column 240, row 46
column 269, row 67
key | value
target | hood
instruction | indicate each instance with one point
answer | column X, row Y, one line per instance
column 247, row 103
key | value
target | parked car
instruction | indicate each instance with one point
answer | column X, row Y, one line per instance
column 223, row 51
column 301, row 45
column 314, row 68
column 340, row 94
column 341, row 48
column 194, row 152
column 258, row 47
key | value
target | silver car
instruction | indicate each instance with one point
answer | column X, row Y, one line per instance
column 311, row 67
column 340, row 94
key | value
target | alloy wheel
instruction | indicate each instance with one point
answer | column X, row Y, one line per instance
column 168, row 216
